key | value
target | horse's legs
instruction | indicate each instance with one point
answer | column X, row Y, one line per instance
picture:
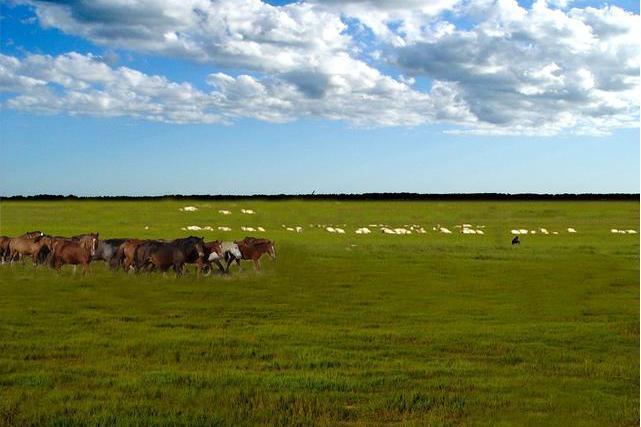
column 58, row 264
column 178, row 268
column 220, row 266
column 74, row 268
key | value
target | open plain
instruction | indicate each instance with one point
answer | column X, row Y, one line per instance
column 341, row 328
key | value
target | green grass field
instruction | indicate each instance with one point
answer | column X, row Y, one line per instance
column 429, row 329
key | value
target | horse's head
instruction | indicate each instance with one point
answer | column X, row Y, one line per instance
column 32, row 234
column 198, row 244
column 216, row 247
column 90, row 242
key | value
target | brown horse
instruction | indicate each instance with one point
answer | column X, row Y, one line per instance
column 26, row 246
column 71, row 251
column 126, row 253
column 163, row 255
column 5, row 252
column 4, row 248
column 253, row 248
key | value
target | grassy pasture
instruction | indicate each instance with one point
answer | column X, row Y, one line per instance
column 341, row 329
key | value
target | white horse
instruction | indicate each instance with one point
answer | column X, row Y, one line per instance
column 231, row 253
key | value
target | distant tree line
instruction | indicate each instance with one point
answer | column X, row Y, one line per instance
column 363, row 196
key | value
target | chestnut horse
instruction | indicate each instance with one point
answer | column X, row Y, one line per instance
column 253, row 248
column 75, row 252
column 126, row 252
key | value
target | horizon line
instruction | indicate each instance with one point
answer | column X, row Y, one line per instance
column 342, row 196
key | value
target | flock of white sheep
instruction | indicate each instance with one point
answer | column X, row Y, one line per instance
column 382, row 228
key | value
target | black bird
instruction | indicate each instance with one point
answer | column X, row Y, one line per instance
column 516, row 241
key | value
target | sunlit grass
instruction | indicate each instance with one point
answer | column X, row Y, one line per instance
column 365, row 329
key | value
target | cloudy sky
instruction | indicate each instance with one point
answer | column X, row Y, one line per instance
column 244, row 96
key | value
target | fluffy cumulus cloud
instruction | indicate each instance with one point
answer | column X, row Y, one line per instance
column 540, row 70
column 85, row 84
column 492, row 66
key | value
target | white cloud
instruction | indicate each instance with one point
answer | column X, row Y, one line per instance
column 540, row 70
column 84, row 84
column 510, row 70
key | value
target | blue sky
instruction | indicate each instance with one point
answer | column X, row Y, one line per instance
column 92, row 105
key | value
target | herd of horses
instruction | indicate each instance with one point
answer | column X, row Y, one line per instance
column 133, row 254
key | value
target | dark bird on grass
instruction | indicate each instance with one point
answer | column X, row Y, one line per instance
column 516, row 241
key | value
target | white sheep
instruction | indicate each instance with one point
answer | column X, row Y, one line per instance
column 224, row 212
column 189, row 209
column 193, row 228
column 445, row 230
column 330, row 229
column 339, row 230
column 247, row 211
column 224, row 228
column 402, row 231
column 260, row 229
column 571, row 230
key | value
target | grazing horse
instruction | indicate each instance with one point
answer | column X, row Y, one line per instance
column 253, row 248
column 163, row 255
column 71, row 251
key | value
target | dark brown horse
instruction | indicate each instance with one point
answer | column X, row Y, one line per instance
column 253, row 248
column 75, row 252
column 142, row 254
column 164, row 255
